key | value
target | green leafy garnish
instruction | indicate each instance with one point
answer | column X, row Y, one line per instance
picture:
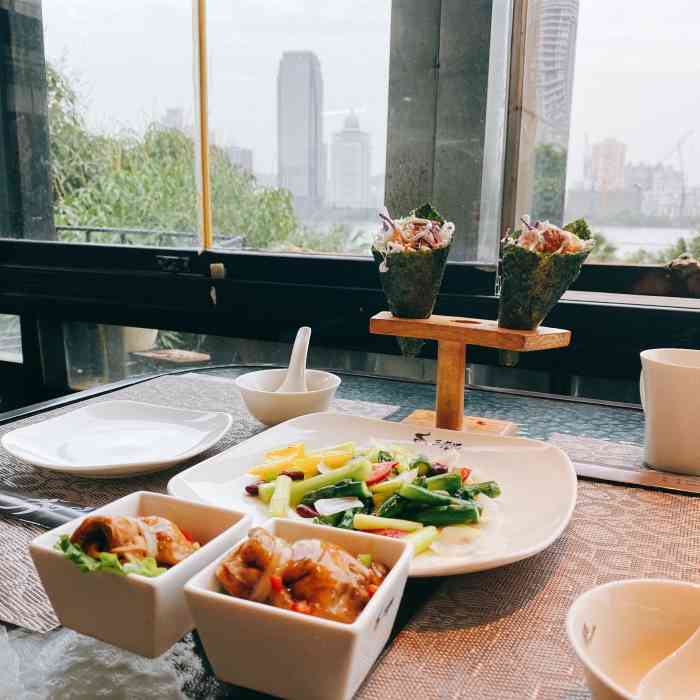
column 426, row 211
column 581, row 228
column 106, row 562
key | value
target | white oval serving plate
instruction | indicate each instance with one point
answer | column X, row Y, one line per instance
column 117, row 438
column 537, row 479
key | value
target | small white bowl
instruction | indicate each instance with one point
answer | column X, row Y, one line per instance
column 258, row 392
column 621, row 630
column 143, row 615
column 288, row 654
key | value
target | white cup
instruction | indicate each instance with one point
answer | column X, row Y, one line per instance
column 670, row 392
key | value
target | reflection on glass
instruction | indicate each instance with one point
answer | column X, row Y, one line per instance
column 120, row 101
column 298, row 119
column 10, row 339
column 550, row 56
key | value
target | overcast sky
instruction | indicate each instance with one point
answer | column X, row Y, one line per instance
column 637, row 79
column 134, row 59
column 636, row 76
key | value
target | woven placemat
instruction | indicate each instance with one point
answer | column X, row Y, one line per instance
column 621, row 462
column 499, row 635
column 23, row 601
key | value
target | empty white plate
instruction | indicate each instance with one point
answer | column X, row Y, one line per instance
column 537, row 479
column 117, row 438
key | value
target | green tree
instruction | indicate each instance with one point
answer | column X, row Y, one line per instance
column 549, row 183
column 147, row 181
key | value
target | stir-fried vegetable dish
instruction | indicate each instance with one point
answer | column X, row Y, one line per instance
column 391, row 490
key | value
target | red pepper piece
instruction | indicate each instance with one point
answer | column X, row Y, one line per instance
column 380, row 471
column 388, row 532
column 301, row 606
column 276, row 583
column 465, row 472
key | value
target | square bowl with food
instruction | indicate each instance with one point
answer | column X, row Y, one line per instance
column 118, row 574
column 295, row 597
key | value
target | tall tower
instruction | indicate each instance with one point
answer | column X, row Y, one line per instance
column 557, row 22
column 350, row 166
column 300, row 128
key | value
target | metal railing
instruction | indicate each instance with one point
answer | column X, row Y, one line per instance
column 135, row 236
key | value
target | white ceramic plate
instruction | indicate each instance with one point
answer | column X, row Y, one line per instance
column 537, row 479
column 116, row 438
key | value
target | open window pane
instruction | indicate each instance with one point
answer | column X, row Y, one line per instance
column 298, row 122
column 114, row 161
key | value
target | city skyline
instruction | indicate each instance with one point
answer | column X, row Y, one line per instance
column 245, row 42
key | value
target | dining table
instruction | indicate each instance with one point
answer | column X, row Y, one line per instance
column 497, row 634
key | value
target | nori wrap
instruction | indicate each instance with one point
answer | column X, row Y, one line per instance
column 532, row 282
column 412, row 280
column 412, row 253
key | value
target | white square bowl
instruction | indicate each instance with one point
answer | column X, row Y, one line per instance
column 290, row 654
column 140, row 614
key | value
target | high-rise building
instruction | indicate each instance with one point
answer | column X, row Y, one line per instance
column 608, row 165
column 350, row 164
column 300, row 128
column 555, row 46
column 241, row 157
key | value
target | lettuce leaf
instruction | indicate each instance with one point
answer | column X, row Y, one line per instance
column 106, row 562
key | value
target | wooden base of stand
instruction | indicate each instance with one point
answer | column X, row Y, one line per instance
column 453, row 334
column 473, row 424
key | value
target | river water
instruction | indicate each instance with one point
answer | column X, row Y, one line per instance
column 631, row 238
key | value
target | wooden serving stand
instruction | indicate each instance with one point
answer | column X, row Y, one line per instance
column 453, row 334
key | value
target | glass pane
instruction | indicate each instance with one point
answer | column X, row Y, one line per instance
column 298, row 122
column 634, row 168
column 119, row 90
column 628, row 152
column 10, row 339
column 548, row 84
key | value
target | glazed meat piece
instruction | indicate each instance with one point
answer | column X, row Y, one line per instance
column 134, row 538
column 308, row 576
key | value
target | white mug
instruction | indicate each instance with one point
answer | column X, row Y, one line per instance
column 670, row 392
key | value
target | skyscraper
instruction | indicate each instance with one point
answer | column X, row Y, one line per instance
column 300, row 128
column 350, row 163
column 557, row 21
column 608, row 165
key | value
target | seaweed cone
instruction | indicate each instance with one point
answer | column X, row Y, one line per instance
column 532, row 283
column 411, row 279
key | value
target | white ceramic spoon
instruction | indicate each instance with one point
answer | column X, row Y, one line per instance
column 677, row 676
column 296, row 373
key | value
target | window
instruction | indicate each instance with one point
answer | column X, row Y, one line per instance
column 311, row 117
column 608, row 131
column 120, row 122
column 298, row 122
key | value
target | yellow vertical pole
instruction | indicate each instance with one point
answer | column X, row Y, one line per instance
column 199, row 11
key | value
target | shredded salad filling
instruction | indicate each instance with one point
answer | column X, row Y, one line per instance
column 545, row 237
column 414, row 232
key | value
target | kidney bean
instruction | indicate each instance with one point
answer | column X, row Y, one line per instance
column 438, row 468
column 254, row 488
column 306, row 512
column 294, row 475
